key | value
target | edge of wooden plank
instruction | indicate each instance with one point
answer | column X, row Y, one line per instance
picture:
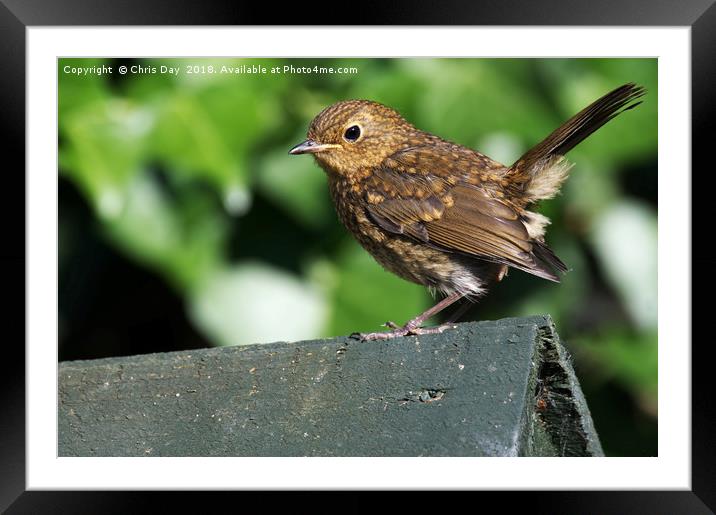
column 557, row 419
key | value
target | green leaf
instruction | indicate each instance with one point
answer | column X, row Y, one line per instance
column 297, row 185
column 629, row 358
column 255, row 303
column 192, row 146
column 625, row 240
column 104, row 149
column 76, row 89
column 181, row 240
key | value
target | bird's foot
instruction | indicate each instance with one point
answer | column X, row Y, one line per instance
column 408, row 329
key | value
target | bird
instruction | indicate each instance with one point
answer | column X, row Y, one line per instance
column 440, row 214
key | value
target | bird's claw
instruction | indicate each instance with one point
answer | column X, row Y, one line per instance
column 406, row 330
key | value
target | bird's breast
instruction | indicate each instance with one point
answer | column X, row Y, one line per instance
column 348, row 200
column 412, row 260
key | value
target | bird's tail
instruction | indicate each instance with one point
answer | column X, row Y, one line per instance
column 542, row 169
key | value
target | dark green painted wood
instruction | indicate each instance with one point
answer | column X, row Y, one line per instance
column 503, row 388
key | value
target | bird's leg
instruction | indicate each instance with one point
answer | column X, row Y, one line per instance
column 416, row 322
column 460, row 311
column 413, row 325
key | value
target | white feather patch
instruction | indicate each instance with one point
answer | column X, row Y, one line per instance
column 535, row 223
column 463, row 281
column 547, row 178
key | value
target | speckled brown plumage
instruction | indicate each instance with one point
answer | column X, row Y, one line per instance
column 440, row 214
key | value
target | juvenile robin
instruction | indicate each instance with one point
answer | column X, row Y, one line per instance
column 439, row 214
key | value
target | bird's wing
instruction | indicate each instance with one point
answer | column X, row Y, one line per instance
column 447, row 208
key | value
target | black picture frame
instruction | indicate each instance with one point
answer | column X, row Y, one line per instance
column 17, row 15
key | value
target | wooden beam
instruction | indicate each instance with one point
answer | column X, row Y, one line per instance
column 503, row 388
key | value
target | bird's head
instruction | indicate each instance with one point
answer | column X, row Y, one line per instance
column 353, row 135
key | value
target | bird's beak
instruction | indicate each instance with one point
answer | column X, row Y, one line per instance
column 311, row 147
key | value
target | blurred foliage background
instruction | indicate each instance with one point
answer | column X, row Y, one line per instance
column 184, row 223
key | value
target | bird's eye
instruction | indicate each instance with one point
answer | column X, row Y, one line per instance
column 352, row 133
